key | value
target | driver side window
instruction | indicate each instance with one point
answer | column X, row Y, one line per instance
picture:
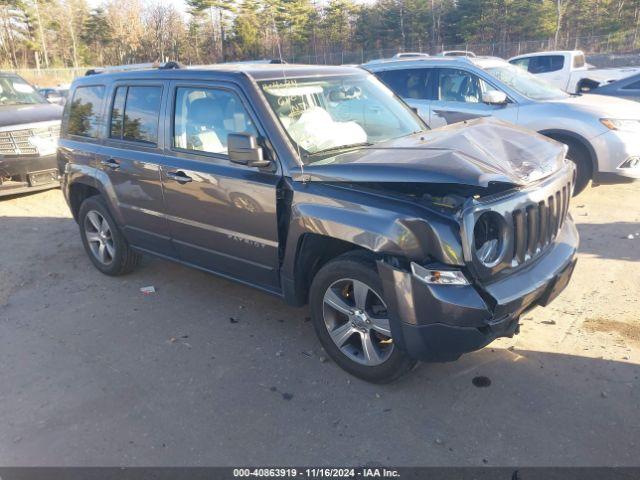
column 460, row 86
column 204, row 117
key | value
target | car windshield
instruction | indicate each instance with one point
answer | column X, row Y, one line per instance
column 16, row 91
column 323, row 116
column 525, row 83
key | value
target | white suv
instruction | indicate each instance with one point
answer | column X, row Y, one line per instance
column 602, row 133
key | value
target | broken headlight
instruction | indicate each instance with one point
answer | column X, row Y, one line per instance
column 489, row 238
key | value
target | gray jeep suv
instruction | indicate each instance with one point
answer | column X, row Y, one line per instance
column 318, row 185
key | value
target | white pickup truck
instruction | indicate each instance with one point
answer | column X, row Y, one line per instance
column 568, row 70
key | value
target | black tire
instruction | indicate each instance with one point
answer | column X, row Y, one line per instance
column 361, row 268
column 584, row 170
column 124, row 259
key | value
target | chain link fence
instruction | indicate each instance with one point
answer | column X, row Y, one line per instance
column 616, row 50
column 50, row 77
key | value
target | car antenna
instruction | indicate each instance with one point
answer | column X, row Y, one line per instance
column 284, row 75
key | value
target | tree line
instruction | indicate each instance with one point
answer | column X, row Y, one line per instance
column 69, row 33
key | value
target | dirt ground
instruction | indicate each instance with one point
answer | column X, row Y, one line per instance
column 207, row 372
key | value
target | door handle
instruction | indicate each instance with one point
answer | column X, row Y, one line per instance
column 179, row 177
column 110, row 163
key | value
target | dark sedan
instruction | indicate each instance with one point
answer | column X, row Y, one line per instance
column 628, row 88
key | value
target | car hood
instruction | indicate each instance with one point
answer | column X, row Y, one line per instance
column 602, row 106
column 15, row 115
column 476, row 153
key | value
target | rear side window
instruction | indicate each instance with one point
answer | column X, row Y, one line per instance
column 546, row 63
column 578, row 61
column 135, row 114
column 117, row 113
column 410, row 83
column 84, row 111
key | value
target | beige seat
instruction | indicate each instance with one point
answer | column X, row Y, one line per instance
column 202, row 135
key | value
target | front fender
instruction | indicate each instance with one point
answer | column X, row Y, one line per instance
column 382, row 225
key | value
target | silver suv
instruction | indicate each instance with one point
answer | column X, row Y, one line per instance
column 601, row 132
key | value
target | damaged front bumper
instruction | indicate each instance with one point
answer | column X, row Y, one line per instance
column 20, row 174
column 439, row 323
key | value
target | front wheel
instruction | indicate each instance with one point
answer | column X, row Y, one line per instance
column 351, row 320
column 584, row 171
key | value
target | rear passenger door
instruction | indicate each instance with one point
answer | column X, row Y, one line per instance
column 130, row 160
column 414, row 86
column 222, row 216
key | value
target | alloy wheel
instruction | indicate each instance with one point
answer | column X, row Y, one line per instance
column 357, row 320
column 99, row 237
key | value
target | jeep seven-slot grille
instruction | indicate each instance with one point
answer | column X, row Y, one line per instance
column 16, row 142
column 536, row 225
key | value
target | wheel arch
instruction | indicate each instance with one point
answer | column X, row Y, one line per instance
column 78, row 193
column 312, row 252
column 568, row 137
column 82, row 187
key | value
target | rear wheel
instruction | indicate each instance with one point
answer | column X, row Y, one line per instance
column 351, row 319
column 105, row 245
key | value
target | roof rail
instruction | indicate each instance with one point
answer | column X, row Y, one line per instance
column 135, row 66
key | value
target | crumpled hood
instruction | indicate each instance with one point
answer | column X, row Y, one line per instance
column 15, row 115
column 476, row 153
column 602, row 106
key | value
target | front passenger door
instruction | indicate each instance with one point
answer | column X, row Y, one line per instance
column 459, row 98
column 222, row 216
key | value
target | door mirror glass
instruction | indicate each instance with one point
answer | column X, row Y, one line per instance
column 494, row 97
column 243, row 149
column 53, row 97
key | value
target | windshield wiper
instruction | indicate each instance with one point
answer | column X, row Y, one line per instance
column 340, row 147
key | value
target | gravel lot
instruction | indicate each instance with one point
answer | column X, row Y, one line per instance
column 207, row 372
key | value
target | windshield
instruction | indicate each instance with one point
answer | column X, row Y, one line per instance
column 525, row 83
column 16, row 91
column 325, row 115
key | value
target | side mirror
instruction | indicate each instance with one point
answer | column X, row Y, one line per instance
column 244, row 150
column 53, row 98
column 494, row 97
